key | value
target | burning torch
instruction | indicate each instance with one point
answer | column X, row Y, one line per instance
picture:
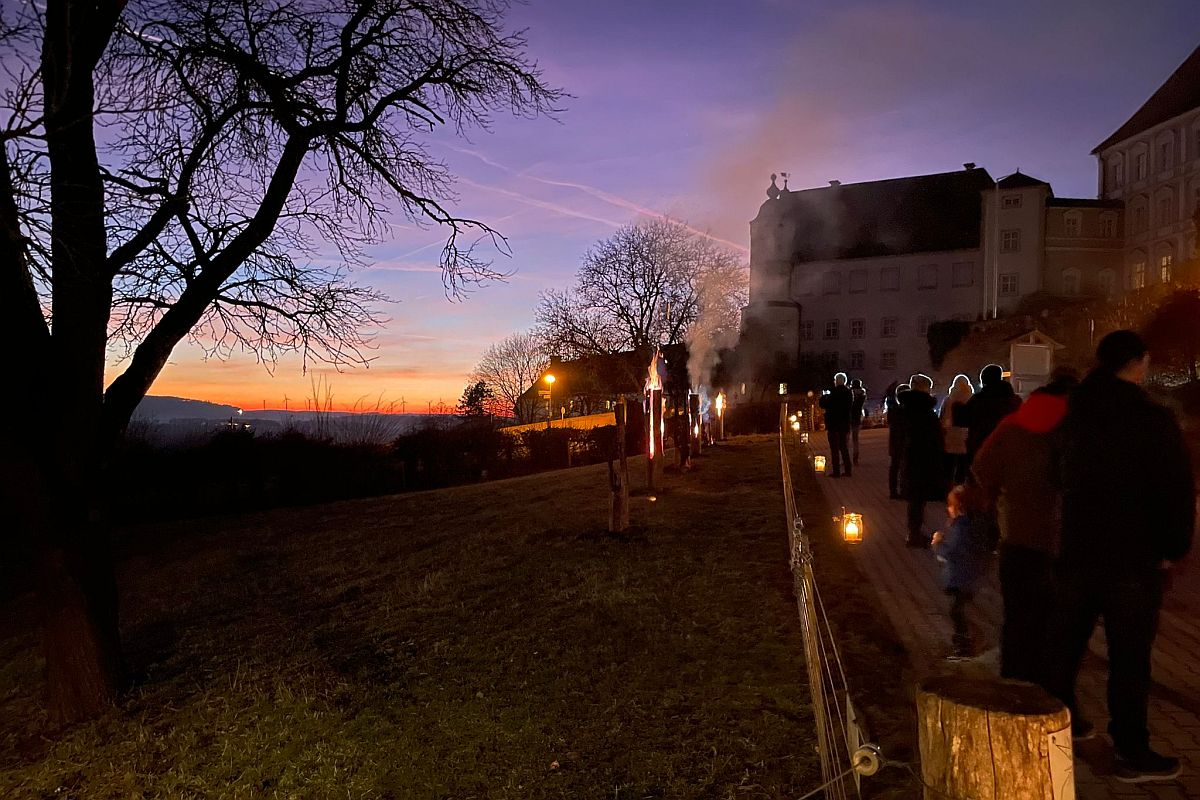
column 720, row 402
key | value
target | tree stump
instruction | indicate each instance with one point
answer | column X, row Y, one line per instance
column 988, row 739
column 618, row 514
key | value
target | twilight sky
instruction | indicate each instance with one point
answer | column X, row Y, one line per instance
column 686, row 107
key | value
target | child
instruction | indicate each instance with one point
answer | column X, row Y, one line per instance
column 965, row 550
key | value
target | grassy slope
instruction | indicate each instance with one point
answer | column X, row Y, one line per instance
column 483, row 641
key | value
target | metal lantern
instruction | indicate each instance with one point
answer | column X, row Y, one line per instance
column 852, row 527
column 819, row 463
column 804, row 437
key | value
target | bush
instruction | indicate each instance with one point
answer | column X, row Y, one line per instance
column 747, row 418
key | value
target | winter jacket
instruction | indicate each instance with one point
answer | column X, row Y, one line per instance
column 985, row 409
column 896, row 426
column 923, row 470
column 1018, row 466
column 954, row 432
column 966, row 550
column 837, row 408
column 858, row 400
column 1128, row 492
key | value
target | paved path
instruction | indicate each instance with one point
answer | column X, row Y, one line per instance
column 906, row 583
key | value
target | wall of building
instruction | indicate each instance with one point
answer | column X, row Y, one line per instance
column 1157, row 174
column 1013, row 221
column 1084, row 251
column 873, row 312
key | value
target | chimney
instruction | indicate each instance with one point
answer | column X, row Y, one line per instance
column 969, row 165
column 835, row 183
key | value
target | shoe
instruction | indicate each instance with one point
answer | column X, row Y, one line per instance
column 1082, row 730
column 1146, row 767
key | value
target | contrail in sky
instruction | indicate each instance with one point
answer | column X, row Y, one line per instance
column 557, row 209
column 599, row 194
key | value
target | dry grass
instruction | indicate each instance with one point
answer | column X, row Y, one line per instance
column 483, row 641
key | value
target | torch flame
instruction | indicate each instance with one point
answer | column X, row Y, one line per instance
column 654, row 382
column 720, row 404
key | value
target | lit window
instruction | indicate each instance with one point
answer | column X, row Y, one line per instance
column 1071, row 223
column 887, row 359
column 889, row 279
column 1138, row 278
column 888, row 326
column 858, row 359
column 806, row 330
column 832, row 283
column 858, row 328
column 1070, row 281
column 858, row 281
column 964, row 273
column 1166, row 264
column 928, row 277
column 831, row 329
column 1010, row 201
column 1009, row 284
column 1010, row 241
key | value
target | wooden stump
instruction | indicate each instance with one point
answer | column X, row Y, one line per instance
column 618, row 516
column 987, row 739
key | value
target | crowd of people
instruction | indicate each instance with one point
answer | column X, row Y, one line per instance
column 1085, row 491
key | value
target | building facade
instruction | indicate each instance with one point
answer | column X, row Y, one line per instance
column 1152, row 164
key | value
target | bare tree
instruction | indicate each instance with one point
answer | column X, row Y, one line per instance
column 509, row 368
column 207, row 170
column 645, row 285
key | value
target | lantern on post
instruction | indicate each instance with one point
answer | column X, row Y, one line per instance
column 851, row 525
column 818, row 463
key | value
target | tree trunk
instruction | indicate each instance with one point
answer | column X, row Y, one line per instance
column 988, row 739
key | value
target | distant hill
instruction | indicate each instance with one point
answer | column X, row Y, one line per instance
column 165, row 409
column 168, row 410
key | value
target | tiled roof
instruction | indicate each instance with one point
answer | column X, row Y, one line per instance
column 919, row 214
column 1019, row 180
column 1179, row 95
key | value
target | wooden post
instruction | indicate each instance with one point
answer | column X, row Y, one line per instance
column 655, row 438
column 618, row 516
column 988, row 739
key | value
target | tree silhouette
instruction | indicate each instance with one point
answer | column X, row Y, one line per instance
column 1172, row 332
column 189, row 169
column 477, row 400
column 509, row 367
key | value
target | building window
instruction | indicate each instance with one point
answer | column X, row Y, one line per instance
column 1166, row 210
column 1139, row 219
column 1164, row 156
column 887, row 360
column 928, row 276
column 831, row 329
column 1010, row 241
column 858, row 328
column 1138, row 279
column 1106, row 281
column 1118, row 173
column 858, row 359
column 1108, row 226
column 1072, row 223
column 1166, row 264
column 831, row 283
column 923, row 323
column 888, row 326
column 1070, row 281
column 1140, row 167
column 806, row 330
column 964, row 274
column 1010, row 201
column 858, row 281
column 889, row 279
column 1009, row 284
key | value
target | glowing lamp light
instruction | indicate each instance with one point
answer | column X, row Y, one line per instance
column 795, row 426
column 852, row 526
column 804, row 437
column 818, row 463
column 792, row 419
column 550, row 379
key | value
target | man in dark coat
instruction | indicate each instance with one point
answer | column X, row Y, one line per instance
column 896, row 439
column 836, row 403
column 994, row 401
column 1128, row 513
column 858, row 403
column 923, row 474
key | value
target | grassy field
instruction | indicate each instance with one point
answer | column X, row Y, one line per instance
column 483, row 641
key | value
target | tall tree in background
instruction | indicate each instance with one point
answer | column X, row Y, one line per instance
column 1172, row 332
column 643, row 286
column 477, row 401
column 187, row 169
column 509, row 368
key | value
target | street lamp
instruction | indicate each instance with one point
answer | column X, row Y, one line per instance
column 549, row 400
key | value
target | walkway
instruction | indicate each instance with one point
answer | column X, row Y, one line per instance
column 906, row 582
